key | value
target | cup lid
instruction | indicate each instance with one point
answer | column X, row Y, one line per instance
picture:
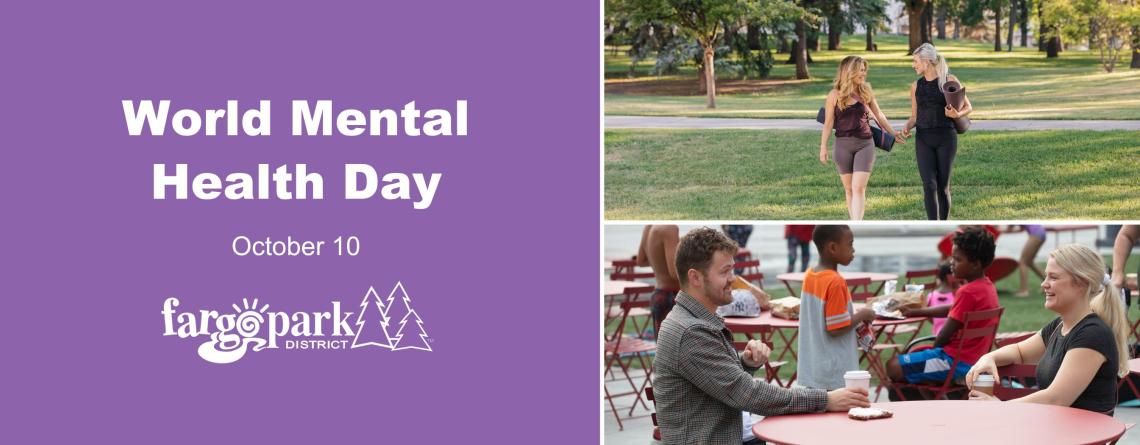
column 856, row 374
column 984, row 378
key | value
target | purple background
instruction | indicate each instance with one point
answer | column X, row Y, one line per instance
column 501, row 267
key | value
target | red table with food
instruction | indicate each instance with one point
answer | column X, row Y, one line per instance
column 798, row 277
column 955, row 422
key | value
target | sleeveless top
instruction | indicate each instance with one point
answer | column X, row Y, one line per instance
column 931, row 105
column 852, row 121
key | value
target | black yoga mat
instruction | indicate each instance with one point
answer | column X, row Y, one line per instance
column 955, row 95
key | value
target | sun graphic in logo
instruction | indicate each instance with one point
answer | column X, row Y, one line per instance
column 250, row 319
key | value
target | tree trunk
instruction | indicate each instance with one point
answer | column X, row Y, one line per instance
column 1012, row 21
column 834, row 32
column 1135, row 48
column 1041, row 28
column 871, row 38
column 782, row 46
column 928, row 21
column 710, row 76
column 914, row 9
column 1052, row 44
column 1093, row 31
column 800, row 51
column 997, row 25
column 940, row 23
column 1024, row 23
column 957, row 26
column 753, row 36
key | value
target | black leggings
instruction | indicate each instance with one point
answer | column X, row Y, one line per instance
column 935, row 150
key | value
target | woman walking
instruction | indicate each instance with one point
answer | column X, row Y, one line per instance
column 937, row 140
column 849, row 104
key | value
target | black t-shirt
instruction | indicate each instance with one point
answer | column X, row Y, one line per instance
column 1090, row 333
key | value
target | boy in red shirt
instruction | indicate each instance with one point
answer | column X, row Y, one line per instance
column 973, row 251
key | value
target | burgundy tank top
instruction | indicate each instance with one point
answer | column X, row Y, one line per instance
column 852, row 121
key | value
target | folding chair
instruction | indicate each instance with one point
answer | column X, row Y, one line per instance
column 860, row 289
column 750, row 271
column 771, row 368
column 638, row 313
column 624, row 266
column 632, row 348
column 932, row 274
column 1018, row 374
column 974, row 326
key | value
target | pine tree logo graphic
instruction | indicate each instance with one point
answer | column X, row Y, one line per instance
column 374, row 322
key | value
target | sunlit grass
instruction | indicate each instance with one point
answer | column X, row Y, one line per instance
column 776, row 175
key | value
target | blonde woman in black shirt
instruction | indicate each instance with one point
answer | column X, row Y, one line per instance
column 936, row 142
column 1081, row 354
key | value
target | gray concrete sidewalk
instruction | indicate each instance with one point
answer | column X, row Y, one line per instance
column 615, row 122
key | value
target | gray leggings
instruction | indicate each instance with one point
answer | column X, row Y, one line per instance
column 854, row 155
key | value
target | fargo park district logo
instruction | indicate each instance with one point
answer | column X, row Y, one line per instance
column 231, row 335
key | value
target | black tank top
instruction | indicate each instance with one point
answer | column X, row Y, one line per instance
column 931, row 105
column 852, row 121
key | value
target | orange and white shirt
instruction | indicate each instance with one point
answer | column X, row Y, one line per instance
column 825, row 305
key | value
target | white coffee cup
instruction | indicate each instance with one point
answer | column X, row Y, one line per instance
column 984, row 383
column 858, row 379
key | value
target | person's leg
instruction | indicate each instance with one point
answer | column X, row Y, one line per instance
column 806, row 256
column 947, row 150
column 844, row 155
column 859, row 194
column 927, row 172
column 1026, row 262
column 894, row 370
column 846, row 180
column 863, row 165
column 792, row 253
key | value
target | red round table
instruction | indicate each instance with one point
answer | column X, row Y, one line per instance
column 788, row 278
column 935, row 422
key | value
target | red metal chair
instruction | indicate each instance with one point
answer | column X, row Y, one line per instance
column 1019, row 374
column 630, row 348
column 642, row 317
column 860, row 289
column 750, row 271
column 932, row 274
column 974, row 326
column 771, row 368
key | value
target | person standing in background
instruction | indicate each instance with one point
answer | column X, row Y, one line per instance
column 799, row 239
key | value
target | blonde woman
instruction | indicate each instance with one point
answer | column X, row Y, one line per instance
column 1079, row 355
column 848, row 106
column 936, row 142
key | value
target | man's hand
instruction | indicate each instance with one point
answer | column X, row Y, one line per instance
column 756, row 353
column 844, row 399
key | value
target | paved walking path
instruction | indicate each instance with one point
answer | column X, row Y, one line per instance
column 613, row 122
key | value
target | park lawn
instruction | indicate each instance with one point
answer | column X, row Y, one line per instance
column 776, row 175
column 1018, row 85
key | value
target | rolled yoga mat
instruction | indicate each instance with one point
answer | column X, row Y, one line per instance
column 955, row 95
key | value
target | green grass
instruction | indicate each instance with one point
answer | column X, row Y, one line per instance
column 776, row 175
column 1018, row 85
